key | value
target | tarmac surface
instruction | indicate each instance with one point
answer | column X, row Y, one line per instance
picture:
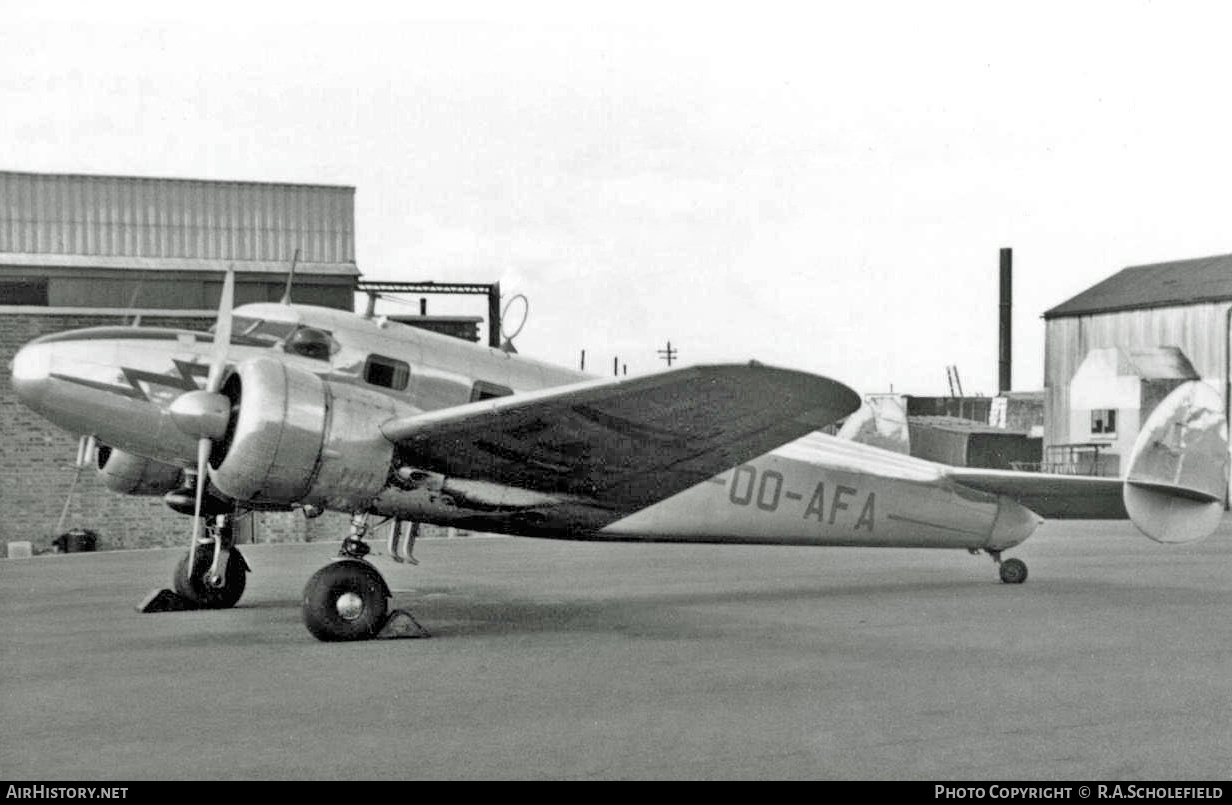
column 578, row 660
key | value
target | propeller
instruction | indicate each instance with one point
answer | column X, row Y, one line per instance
column 204, row 413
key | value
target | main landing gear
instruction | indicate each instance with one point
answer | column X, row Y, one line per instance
column 1013, row 571
column 348, row 599
column 219, row 573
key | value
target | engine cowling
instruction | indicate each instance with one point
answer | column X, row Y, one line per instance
column 133, row 475
column 295, row 438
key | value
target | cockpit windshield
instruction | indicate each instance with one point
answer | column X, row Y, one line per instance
column 294, row 338
column 270, row 331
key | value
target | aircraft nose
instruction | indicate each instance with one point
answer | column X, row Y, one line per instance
column 30, row 371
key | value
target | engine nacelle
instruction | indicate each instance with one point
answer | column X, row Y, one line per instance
column 133, row 475
column 296, row 438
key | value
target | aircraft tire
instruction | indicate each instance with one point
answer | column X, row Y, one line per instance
column 204, row 595
column 1013, row 571
column 345, row 600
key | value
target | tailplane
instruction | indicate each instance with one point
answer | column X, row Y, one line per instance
column 1178, row 470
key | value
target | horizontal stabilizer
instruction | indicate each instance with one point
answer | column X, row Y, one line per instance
column 1056, row 497
column 1178, row 470
column 1177, row 491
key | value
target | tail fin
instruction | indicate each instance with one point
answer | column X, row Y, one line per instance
column 880, row 422
column 1178, row 470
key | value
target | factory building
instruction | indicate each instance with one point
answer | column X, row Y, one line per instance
column 1113, row 351
column 81, row 251
column 113, row 242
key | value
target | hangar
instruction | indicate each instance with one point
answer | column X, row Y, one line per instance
column 1114, row 350
column 112, row 242
column 85, row 250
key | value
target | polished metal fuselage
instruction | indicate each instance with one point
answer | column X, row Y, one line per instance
column 117, row 385
column 823, row 490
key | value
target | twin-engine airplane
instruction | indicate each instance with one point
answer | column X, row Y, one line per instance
column 292, row 407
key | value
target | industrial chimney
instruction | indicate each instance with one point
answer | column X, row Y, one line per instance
column 1004, row 375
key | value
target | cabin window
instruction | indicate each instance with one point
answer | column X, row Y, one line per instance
column 1103, row 422
column 388, row 373
column 483, row 390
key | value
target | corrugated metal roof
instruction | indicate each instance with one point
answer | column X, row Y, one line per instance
column 1182, row 282
column 127, row 216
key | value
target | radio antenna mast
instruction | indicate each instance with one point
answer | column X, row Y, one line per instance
column 286, row 295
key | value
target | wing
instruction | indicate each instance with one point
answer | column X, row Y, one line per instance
column 622, row 444
column 1072, row 497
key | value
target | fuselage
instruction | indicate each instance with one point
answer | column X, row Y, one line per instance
column 823, row 490
column 117, row 385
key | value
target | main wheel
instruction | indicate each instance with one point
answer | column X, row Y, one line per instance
column 200, row 591
column 1013, row 571
column 345, row 600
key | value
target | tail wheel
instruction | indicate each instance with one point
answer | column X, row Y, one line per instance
column 1013, row 571
column 196, row 587
column 345, row 600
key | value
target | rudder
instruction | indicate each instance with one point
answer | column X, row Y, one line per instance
column 1178, row 470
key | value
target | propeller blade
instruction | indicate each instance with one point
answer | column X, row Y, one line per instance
column 222, row 333
column 218, row 367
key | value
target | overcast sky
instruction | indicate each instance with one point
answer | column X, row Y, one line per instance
column 821, row 186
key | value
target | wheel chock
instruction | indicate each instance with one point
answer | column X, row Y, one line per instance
column 401, row 625
column 165, row 600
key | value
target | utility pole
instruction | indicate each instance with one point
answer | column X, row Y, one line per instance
column 669, row 354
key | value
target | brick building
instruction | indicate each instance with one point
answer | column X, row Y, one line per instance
column 82, row 251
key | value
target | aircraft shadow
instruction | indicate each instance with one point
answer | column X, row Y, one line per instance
column 675, row 614
column 458, row 612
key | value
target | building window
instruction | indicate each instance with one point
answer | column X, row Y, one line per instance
column 389, row 373
column 23, row 292
column 1103, row 422
column 483, row 390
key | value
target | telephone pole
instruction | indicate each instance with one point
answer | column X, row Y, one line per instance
column 669, row 354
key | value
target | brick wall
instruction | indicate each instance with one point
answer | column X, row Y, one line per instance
column 36, row 469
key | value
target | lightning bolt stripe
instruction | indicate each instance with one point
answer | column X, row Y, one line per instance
column 133, row 392
column 184, row 380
